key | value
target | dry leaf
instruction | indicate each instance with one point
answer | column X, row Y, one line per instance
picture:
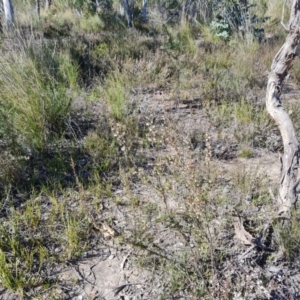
column 108, row 232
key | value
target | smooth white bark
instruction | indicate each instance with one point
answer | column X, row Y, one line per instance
column 129, row 9
column 9, row 13
column 48, row 4
column 144, row 10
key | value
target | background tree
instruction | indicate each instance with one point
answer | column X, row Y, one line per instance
column 9, row 13
column 47, row 4
column 144, row 10
column 38, row 8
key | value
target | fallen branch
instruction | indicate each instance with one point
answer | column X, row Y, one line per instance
column 240, row 232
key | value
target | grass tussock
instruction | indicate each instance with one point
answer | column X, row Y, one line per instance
column 35, row 104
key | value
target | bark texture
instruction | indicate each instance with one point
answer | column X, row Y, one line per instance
column 144, row 10
column 38, row 8
column 9, row 13
column 48, row 4
column 282, row 62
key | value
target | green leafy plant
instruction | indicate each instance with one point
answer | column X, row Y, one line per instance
column 220, row 30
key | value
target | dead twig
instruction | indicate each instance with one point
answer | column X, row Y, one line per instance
column 282, row 17
column 124, row 260
column 240, row 232
column 246, row 253
column 118, row 289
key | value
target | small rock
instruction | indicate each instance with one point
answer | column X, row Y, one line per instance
column 273, row 269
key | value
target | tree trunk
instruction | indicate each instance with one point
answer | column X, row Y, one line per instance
column 129, row 10
column 144, row 10
column 282, row 62
column 48, row 4
column 38, row 8
column 9, row 13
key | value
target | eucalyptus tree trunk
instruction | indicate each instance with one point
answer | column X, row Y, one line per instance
column 281, row 64
column 129, row 10
column 48, row 4
column 9, row 13
column 144, row 10
column 121, row 9
column 38, row 8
